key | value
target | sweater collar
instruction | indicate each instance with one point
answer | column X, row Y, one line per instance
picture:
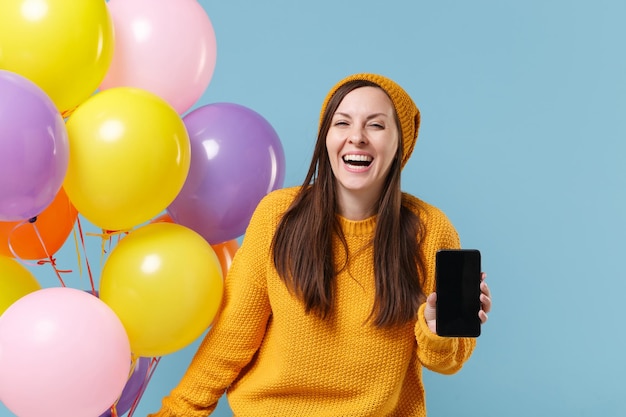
column 357, row 227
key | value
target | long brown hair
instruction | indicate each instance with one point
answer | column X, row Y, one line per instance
column 302, row 245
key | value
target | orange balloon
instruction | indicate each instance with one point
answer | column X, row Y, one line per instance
column 225, row 252
column 163, row 218
column 54, row 224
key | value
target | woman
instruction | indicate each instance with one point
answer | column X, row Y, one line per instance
column 329, row 307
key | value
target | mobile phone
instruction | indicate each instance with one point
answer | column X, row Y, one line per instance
column 457, row 276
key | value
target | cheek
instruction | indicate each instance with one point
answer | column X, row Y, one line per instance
column 332, row 145
column 389, row 148
column 393, row 150
column 388, row 153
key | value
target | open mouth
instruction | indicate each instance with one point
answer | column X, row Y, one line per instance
column 358, row 160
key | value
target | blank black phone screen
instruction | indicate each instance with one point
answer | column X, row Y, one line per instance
column 457, row 276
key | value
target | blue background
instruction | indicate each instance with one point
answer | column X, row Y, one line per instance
column 523, row 143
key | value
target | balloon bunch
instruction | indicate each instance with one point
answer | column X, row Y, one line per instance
column 92, row 98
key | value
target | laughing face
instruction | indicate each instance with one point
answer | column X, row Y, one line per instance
column 362, row 142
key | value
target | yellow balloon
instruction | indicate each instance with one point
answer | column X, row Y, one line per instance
column 129, row 157
column 15, row 282
column 164, row 282
column 64, row 47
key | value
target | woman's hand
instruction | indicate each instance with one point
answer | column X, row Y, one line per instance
column 485, row 305
column 485, row 299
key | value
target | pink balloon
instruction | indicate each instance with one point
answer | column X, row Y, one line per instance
column 167, row 47
column 63, row 352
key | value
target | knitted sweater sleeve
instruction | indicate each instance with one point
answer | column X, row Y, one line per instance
column 237, row 331
column 445, row 355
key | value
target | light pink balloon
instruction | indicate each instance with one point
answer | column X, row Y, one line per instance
column 167, row 47
column 63, row 352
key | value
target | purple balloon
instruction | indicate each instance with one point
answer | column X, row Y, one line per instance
column 34, row 148
column 236, row 159
column 132, row 388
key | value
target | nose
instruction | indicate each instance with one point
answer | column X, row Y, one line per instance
column 357, row 135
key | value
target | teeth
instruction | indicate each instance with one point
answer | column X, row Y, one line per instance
column 357, row 158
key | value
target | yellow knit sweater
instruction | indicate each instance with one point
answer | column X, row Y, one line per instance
column 272, row 359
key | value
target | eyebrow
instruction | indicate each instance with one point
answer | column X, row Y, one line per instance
column 371, row 116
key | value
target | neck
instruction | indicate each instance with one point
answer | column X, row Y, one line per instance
column 355, row 206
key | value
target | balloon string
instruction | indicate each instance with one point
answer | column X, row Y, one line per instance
column 50, row 259
column 67, row 113
column 134, row 363
column 82, row 241
column 17, row 226
column 106, row 237
column 133, row 366
column 78, row 258
column 151, row 368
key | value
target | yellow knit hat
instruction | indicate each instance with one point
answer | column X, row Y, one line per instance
column 407, row 111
